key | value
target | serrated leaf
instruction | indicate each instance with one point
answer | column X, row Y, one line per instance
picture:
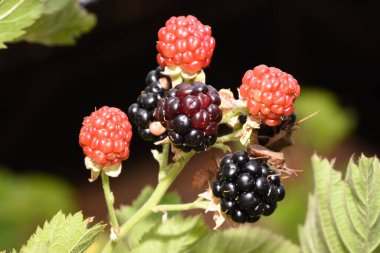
column 15, row 16
column 61, row 24
column 125, row 212
column 245, row 239
column 66, row 234
column 343, row 215
column 177, row 234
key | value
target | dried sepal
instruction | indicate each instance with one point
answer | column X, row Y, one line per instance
column 214, row 206
column 274, row 159
column 228, row 101
column 250, row 125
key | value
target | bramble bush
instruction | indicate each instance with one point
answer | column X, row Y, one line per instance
column 181, row 115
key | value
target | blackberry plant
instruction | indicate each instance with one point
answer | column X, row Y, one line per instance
column 181, row 113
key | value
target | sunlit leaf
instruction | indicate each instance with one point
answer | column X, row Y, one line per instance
column 15, row 16
column 63, row 234
column 343, row 215
column 245, row 239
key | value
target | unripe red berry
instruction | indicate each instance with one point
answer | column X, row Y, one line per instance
column 105, row 136
column 185, row 42
column 270, row 93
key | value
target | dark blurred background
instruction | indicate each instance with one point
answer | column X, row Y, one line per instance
column 46, row 92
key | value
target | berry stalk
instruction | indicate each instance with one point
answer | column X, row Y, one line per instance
column 110, row 201
column 197, row 204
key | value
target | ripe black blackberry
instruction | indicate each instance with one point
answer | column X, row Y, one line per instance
column 191, row 114
column 141, row 113
column 247, row 187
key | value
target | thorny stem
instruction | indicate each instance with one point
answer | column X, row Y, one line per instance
column 110, row 201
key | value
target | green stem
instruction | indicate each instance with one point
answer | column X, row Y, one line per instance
column 182, row 207
column 232, row 114
column 234, row 136
column 110, row 201
column 164, row 183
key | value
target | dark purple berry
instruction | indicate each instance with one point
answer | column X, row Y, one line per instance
column 171, row 108
column 248, row 201
column 190, row 105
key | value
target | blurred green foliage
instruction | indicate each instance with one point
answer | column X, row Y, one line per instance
column 27, row 200
column 331, row 125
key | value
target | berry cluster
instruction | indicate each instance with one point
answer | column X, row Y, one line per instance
column 105, row 136
column 270, row 93
column 247, row 187
column 141, row 113
column 185, row 42
column 191, row 114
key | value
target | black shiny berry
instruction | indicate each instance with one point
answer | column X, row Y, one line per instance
column 253, row 167
column 230, row 171
column 229, row 190
column 245, row 182
column 238, row 216
column 142, row 113
column 281, row 192
column 247, row 187
column 217, row 189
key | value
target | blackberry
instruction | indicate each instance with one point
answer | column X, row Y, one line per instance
column 247, row 187
column 191, row 114
column 141, row 112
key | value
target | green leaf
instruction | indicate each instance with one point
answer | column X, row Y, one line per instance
column 245, row 239
column 177, row 234
column 343, row 215
column 15, row 16
column 125, row 212
column 62, row 22
column 66, row 234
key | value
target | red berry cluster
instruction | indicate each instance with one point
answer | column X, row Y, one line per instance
column 185, row 42
column 270, row 93
column 105, row 136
